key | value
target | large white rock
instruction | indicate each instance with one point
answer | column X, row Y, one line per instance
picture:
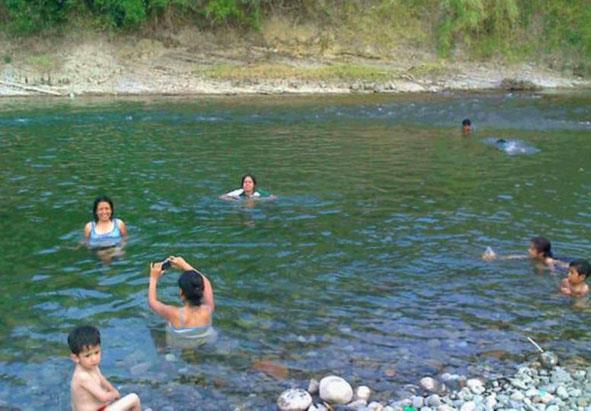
column 294, row 399
column 335, row 390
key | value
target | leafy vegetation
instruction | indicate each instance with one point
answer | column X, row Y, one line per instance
column 510, row 29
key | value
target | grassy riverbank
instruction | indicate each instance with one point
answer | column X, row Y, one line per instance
column 135, row 46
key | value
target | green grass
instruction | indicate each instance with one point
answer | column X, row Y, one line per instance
column 269, row 71
column 42, row 62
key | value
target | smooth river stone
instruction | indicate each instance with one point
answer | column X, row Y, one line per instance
column 430, row 384
column 363, row 392
column 294, row 399
column 335, row 390
column 313, row 386
column 475, row 385
column 548, row 360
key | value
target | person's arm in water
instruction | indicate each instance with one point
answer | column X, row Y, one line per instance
column 553, row 262
column 490, row 255
column 122, row 228
column 565, row 287
column 87, row 229
column 232, row 195
column 165, row 311
column 208, row 299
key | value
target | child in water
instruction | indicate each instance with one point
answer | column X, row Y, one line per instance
column 574, row 284
column 466, row 126
column 89, row 389
column 540, row 250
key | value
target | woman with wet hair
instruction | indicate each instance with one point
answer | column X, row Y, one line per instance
column 193, row 319
column 248, row 190
column 106, row 230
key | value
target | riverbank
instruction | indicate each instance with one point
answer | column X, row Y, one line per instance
column 192, row 62
column 541, row 385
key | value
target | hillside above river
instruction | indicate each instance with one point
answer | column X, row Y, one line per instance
column 281, row 58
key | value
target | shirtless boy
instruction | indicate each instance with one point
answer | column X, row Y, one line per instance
column 574, row 284
column 90, row 390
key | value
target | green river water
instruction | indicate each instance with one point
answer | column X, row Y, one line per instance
column 367, row 265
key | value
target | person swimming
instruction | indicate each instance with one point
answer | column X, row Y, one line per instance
column 539, row 251
column 248, row 191
column 466, row 126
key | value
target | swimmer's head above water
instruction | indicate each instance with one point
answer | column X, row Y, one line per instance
column 103, row 209
column 249, row 183
column 540, row 248
column 466, row 126
column 191, row 286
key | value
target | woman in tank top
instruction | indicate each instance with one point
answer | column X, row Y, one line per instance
column 193, row 319
column 105, row 231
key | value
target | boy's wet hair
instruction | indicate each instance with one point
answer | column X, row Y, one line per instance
column 582, row 266
column 466, row 122
column 254, row 180
column 191, row 283
column 82, row 337
column 102, row 199
column 542, row 245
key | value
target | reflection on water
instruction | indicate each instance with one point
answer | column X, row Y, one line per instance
column 367, row 265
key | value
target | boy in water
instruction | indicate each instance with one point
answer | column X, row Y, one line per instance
column 90, row 390
column 574, row 284
column 466, row 126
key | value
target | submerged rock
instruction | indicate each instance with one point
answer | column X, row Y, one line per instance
column 271, row 368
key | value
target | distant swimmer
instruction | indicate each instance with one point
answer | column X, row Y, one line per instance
column 467, row 126
column 539, row 250
column 248, row 191
column 510, row 146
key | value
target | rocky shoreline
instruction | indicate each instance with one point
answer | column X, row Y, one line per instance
column 542, row 385
column 194, row 86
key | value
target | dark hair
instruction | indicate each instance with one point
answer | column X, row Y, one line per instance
column 466, row 122
column 83, row 336
column 102, row 199
column 254, row 180
column 542, row 245
column 582, row 266
column 191, row 283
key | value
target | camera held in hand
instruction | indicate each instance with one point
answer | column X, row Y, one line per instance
column 165, row 264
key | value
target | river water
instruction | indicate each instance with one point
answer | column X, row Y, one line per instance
column 367, row 265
